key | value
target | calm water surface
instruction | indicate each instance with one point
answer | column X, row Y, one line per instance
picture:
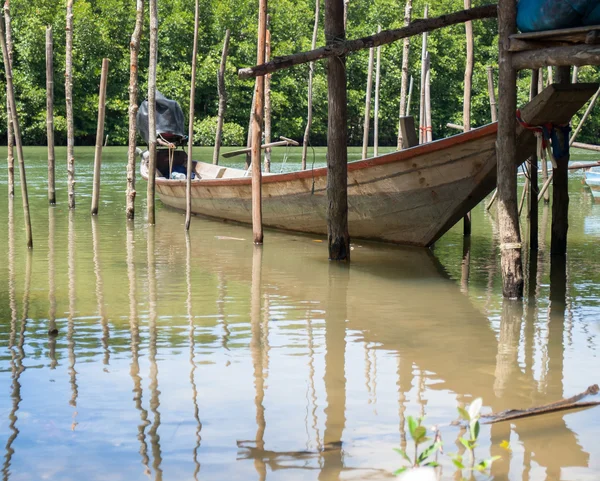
column 204, row 357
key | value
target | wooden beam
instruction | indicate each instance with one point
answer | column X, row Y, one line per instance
column 581, row 145
column 341, row 48
column 579, row 55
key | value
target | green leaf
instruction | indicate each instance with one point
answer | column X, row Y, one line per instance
column 402, row 453
column 398, row 472
column 428, row 452
column 432, row 464
column 412, row 426
column 465, row 443
column 419, row 435
column 458, row 464
column 464, row 414
column 475, row 430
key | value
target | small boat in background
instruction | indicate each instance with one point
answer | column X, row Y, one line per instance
column 592, row 180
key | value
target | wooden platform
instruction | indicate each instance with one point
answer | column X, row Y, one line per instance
column 589, row 35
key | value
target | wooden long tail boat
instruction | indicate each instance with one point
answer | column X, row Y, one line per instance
column 409, row 197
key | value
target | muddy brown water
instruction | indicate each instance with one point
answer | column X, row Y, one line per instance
column 204, row 357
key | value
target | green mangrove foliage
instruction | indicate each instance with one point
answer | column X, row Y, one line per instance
column 102, row 28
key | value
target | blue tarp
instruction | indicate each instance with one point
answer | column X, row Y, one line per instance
column 538, row 15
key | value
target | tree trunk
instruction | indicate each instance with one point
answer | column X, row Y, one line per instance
column 405, row 58
column 188, row 180
column 337, row 139
column 467, row 96
column 150, row 192
column 376, row 113
column 311, row 74
column 69, row 105
column 508, row 218
column 134, row 48
column 222, row 98
column 17, row 131
column 257, row 123
column 268, row 103
column 50, row 115
column 10, row 141
column 99, row 138
column 367, row 122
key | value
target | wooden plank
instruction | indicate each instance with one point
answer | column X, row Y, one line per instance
column 409, row 135
column 574, row 55
column 518, row 45
column 563, row 33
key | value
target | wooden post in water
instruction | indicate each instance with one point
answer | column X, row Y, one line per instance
column 337, row 139
column 404, row 81
column 422, row 113
column 188, row 180
column 268, row 100
column 560, row 182
column 468, row 86
column 69, row 105
column 492, row 94
column 311, row 74
column 533, row 178
column 17, row 132
column 134, row 48
column 10, row 136
column 377, row 84
column 152, row 111
column 367, row 123
column 508, row 218
column 257, row 123
column 99, row 138
column 50, row 115
column 222, row 98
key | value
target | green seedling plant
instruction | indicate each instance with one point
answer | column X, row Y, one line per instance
column 418, row 434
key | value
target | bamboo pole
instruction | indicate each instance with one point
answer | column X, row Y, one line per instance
column 550, row 76
column 428, row 133
column 50, row 115
column 580, row 145
column 409, row 98
column 99, row 138
column 468, row 86
column 222, row 98
column 346, row 3
column 422, row 122
column 69, row 105
column 338, row 238
column 10, row 143
column 533, row 178
column 376, row 113
column 575, row 74
column 404, row 81
column 134, row 49
column 152, row 111
column 585, row 116
column 249, row 138
column 17, row 131
column 188, row 180
column 339, row 48
column 367, row 122
column 508, row 219
column 257, row 123
column 311, row 74
column 268, row 101
column 492, row 94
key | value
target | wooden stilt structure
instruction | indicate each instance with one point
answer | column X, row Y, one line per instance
column 222, row 98
column 376, row 112
column 404, row 81
column 69, row 105
column 534, row 187
column 50, row 115
column 188, row 179
column 99, row 138
column 257, row 123
column 10, row 135
column 311, row 74
column 267, row 161
column 17, row 131
column 134, row 48
column 150, row 192
column 367, row 122
column 337, row 135
column 467, row 96
column 508, row 218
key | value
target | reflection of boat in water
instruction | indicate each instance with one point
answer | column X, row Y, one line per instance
column 592, row 180
column 409, row 197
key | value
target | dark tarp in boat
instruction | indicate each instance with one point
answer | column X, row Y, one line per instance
column 170, row 123
column 539, row 15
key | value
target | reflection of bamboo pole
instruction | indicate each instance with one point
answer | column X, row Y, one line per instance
column 188, row 278
column 70, row 318
column 222, row 288
column 100, row 291
column 152, row 350
column 134, row 330
column 12, row 300
column 52, row 331
column 188, row 179
column 311, row 383
column 508, row 346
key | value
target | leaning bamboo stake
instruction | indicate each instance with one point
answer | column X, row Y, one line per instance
column 257, row 123
column 268, row 101
column 222, row 98
column 10, row 158
column 188, row 180
column 249, row 138
column 585, row 116
column 409, row 98
column 311, row 74
column 99, row 138
column 69, row 105
column 492, row 94
column 17, row 131
column 367, row 123
column 50, row 115
column 468, row 86
column 422, row 121
column 404, row 81
column 150, row 192
column 376, row 113
column 428, row 133
column 134, row 49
